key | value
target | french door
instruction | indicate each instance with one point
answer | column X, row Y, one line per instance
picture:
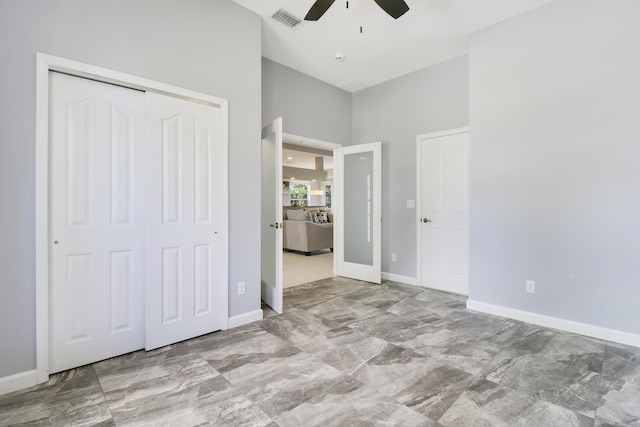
column 357, row 229
column 271, row 234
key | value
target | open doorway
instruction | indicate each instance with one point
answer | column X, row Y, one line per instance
column 307, row 210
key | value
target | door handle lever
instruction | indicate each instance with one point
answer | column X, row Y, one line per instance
column 426, row 220
column 276, row 225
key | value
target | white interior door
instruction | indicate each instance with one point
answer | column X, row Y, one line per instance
column 271, row 276
column 357, row 229
column 444, row 211
column 96, row 221
column 186, row 261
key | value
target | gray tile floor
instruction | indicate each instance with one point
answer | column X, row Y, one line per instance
column 349, row 353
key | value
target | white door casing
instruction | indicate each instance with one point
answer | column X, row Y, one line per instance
column 97, row 221
column 184, row 266
column 271, row 226
column 358, row 212
column 443, row 210
column 44, row 243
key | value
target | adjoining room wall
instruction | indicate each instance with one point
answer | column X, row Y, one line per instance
column 395, row 112
column 207, row 46
column 555, row 177
column 309, row 107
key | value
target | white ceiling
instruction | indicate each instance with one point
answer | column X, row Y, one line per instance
column 431, row 31
column 303, row 160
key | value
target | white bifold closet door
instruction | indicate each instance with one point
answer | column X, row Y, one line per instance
column 184, row 256
column 132, row 219
column 96, row 221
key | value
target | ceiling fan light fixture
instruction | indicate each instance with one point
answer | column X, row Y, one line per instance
column 339, row 57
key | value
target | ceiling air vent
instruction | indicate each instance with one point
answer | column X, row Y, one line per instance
column 286, row 18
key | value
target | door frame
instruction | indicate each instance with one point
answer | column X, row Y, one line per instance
column 419, row 200
column 44, row 64
column 303, row 141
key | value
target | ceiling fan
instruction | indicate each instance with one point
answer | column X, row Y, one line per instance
column 395, row 8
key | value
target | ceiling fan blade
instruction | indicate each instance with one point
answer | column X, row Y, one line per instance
column 395, row 8
column 318, row 9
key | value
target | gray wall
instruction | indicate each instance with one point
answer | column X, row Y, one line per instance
column 308, row 107
column 555, row 175
column 429, row 100
column 203, row 45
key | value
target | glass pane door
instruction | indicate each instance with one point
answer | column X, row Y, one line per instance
column 358, row 212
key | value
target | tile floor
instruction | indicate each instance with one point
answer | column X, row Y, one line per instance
column 349, row 353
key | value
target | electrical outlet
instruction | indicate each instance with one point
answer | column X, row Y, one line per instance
column 241, row 288
column 531, row 286
column 394, row 257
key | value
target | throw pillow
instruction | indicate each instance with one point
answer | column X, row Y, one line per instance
column 329, row 217
column 321, row 218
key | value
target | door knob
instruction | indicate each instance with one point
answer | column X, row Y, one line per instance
column 425, row 220
column 276, row 225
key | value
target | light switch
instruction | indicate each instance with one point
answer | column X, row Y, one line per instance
column 411, row 204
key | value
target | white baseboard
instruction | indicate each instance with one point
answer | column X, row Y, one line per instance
column 557, row 323
column 400, row 279
column 29, row 378
column 18, row 381
column 243, row 319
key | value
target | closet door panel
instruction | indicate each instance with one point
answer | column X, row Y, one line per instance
column 96, row 221
column 186, row 278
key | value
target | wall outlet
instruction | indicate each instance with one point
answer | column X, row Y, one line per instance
column 531, row 286
column 242, row 288
column 394, row 257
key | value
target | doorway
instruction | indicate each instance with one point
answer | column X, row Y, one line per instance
column 307, row 186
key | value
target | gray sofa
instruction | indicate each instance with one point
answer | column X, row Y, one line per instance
column 303, row 235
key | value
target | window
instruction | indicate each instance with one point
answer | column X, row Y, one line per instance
column 299, row 194
column 327, row 195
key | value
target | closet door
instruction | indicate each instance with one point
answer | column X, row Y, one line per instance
column 96, row 221
column 186, row 253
